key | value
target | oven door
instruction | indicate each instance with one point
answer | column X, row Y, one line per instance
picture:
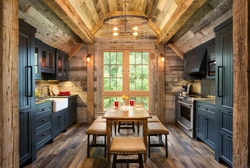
column 186, row 115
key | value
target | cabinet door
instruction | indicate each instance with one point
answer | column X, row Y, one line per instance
column 38, row 60
column 224, row 89
column 210, row 132
column 51, row 59
column 65, row 66
column 226, row 148
column 201, row 127
column 62, row 65
column 48, row 58
column 25, row 74
column 24, row 137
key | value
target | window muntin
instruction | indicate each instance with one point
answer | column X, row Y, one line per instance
column 125, row 73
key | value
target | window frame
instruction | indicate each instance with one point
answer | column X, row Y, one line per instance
column 126, row 78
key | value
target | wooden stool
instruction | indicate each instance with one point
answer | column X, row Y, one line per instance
column 127, row 146
column 96, row 129
column 126, row 125
column 157, row 129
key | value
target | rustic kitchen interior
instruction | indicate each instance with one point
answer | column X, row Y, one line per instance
column 81, row 79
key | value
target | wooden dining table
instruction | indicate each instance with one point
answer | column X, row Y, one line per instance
column 126, row 114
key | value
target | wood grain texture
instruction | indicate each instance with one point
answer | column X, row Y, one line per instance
column 51, row 16
column 90, row 85
column 70, row 16
column 176, row 50
column 75, row 50
column 70, row 150
column 241, row 116
column 9, row 120
column 161, row 86
column 182, row 13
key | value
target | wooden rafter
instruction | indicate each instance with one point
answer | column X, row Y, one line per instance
column 176, row 50
column 75, row 50
column 70, row 16
column 184, row 10
column 99, row 25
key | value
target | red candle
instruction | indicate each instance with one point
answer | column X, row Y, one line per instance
column 116, row 103
column 131, row 102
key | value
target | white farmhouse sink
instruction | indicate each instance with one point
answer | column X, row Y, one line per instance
column 59, row 103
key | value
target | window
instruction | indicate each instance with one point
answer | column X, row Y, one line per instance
column 125, row 73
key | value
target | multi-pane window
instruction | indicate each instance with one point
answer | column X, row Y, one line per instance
column 125, row 73
column 138, row 70
column 113, row 71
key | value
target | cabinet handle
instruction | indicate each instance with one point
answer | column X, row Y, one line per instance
column 29, row 81
column 220, row 87
column 42, row 110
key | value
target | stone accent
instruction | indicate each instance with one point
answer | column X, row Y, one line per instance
column 208, row 87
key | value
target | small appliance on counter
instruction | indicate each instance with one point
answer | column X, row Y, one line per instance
column 186, row 89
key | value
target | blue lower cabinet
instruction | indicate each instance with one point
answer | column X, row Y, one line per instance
column 43, row 124
column 226, row 148
column 205, row 123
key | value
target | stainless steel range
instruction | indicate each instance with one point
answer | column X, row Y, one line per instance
column 185, row 113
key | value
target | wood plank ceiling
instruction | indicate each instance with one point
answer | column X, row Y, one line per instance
column 67, row 24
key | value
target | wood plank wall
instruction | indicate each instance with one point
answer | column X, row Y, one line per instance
column 9, row 122
column 173, row 77
column 241, row 115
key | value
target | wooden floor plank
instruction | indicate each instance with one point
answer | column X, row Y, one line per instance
column 69, row 150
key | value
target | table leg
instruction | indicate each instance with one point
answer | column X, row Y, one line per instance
column 145, row 132
column 108, row 129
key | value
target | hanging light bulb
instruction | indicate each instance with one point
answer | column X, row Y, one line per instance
column 115, row 28
column 135, row 33
column 115, row 34
column 135, row 28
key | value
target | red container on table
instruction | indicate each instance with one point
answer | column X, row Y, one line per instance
column 116, row 103
column 131, row 102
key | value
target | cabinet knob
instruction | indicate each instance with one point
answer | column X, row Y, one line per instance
column 43, row 120
column 44, row 134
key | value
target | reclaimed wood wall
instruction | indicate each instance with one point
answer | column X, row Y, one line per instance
column 241, row 115
column 9, row 120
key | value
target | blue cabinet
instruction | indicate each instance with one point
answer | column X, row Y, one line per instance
column 43, row 123
column 224, row 91
column 205, row 123
column 26, row 87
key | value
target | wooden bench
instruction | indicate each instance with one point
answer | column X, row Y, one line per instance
column 127, row 146
column 96, row 129
column 157, row 129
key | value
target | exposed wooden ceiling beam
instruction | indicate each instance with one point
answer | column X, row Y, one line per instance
column 75, row 50
column 184, row 10
column 99, row 25
column 176, row 50
column 65, row 10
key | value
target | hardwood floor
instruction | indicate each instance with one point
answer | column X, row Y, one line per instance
column 69, row 150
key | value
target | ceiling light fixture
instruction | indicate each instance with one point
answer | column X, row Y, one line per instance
column 115, row 34
column 135, row 33
column 128, row 27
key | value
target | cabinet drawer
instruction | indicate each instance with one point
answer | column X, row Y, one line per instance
column 43, row 136
column 43, row 120
column 43, row 108
column 206, row 108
